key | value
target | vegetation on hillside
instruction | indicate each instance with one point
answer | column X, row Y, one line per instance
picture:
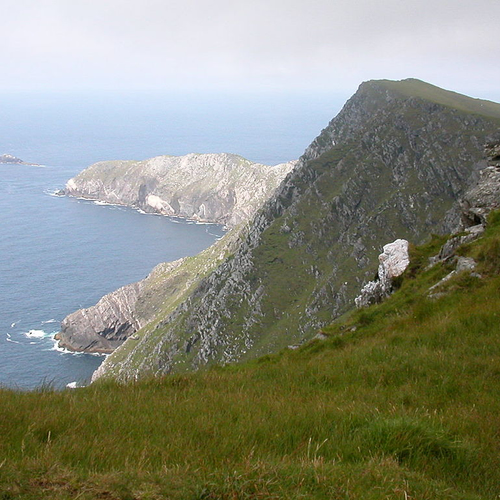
column 401, row 401
column 416, row 88
column 395, row 150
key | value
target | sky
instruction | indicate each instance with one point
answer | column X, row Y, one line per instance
column 257, row 45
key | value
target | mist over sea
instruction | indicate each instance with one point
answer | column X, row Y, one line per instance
column 59, row 254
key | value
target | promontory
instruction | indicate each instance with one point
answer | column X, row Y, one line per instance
column 223, row 188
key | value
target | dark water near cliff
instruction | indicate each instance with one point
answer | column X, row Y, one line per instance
column 59, row 254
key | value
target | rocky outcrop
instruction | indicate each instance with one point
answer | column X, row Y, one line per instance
column 119, row 315
column 218, row 188
column 393, row 261
column 222, row 188
column 477, row 203
column 392, row 164
column 484, row 197
column 104, row 326
column 13, row 160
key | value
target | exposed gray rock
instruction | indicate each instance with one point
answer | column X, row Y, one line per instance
column 462, row 264
column 392, row 163
column 222, row 188
column 477, row 203
column 492, row 152
column 103, row 327
column 213, row 187
column 117, row 316
column 13, row 160
column 484, row 197
column 465, row 264
column 393, row 261
column 448, row 249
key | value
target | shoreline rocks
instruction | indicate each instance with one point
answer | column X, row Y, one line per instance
column 13, row 160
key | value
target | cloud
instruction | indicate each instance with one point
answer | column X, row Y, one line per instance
column 217, row 43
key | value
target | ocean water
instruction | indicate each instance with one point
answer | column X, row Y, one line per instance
column 59, row 254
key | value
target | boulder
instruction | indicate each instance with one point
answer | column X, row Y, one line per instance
column 393, row 261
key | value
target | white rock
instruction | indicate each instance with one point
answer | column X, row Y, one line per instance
column 394, row 260
column 392, row 263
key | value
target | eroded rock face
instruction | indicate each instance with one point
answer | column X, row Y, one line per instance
column 222, row 188
column 477, row 203
column 118, row 315
column 393, row 261
column 103, row 327
column 484, row 197
column 214, row 187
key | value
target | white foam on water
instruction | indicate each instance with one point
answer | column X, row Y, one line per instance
column 62, row 350
column 49, row 321
column 54, row 192
column 72, row 385
column 37, row 334
column 9, row 339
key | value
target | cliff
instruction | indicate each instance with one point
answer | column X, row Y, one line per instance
column 215, row 187
column 396, row 400
column 119, row 315
column 222, row 188
column 484, row 197
column 391, row 165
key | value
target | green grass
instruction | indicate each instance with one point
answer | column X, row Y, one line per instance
column 416, row 88
column 402, row 401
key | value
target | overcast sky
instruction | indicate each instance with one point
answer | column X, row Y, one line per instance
column 317, row 45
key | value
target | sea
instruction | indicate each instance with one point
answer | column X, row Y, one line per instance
column 60, row 254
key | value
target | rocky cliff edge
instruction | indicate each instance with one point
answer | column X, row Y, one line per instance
column 222, row 188
column 392, row 164
column 213, row 187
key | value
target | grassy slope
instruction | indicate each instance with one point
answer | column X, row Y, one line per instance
column 401, row 401
column 417, row 88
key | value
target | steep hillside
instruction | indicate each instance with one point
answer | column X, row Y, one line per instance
column 119, row 315
column 222, row 188
column 400, row 400
column 391, row 165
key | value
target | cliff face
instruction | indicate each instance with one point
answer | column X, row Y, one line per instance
column 222, row 188
column 391, row 165
column 484, row 197
column 213, row 187
column 119, row 315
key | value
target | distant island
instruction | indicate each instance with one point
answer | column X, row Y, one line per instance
column 12, row 160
